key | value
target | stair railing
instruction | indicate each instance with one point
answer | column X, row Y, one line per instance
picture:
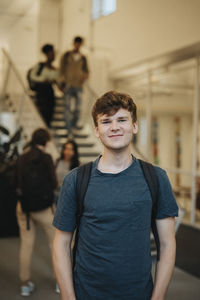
column 15, row 99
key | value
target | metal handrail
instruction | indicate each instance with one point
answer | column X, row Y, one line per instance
column 28, row 115
column 15, row 70
column 158, row 62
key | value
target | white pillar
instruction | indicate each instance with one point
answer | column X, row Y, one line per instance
column 149, row 118
column 195, row 142
column 186, row 148
column 166, row 143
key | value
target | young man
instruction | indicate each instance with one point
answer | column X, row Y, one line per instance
column 74, row 72
column 113, row 259
column 35, row 207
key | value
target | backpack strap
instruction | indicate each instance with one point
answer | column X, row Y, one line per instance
column 27, row 220
column 83, row 177
column 152, row 181
column 41, row 66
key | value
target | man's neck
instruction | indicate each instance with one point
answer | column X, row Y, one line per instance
column 112, row 162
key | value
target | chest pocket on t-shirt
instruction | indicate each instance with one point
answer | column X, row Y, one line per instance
column 141, row 209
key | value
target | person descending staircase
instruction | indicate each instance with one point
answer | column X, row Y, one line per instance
column 83, row 135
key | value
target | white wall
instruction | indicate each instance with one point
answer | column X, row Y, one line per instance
column 40, row 24
column 22, row 39
column 50, row 22
column 76, row 22
column 142, row 29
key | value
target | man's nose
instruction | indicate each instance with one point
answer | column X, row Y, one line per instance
column 114, row 125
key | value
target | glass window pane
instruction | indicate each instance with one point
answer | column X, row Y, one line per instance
column 108, row 7
column 96, row 9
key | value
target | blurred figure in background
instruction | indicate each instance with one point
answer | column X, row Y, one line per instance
column 36, row 182
column 68, row 160
column 41, row 79
column 74, row 72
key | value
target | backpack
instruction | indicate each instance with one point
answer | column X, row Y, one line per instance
column 83, row 177
column 33, row 84
column 37, row 193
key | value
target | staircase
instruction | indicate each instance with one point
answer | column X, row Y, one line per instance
column 89, row 147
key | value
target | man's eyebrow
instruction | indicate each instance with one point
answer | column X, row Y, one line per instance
column 122, row 117
column 104, row 118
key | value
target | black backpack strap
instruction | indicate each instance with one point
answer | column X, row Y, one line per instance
column 83, row 177
column 28, row 221
column 152, row 181
column 41, row 66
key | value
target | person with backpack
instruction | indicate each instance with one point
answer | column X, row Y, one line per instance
column 41, row 78
column 73, row 73
column 36, row 182
column 112, row 208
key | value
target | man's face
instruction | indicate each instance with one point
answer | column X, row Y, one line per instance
column 77, row 46
column 116, row 131
column 51, row 55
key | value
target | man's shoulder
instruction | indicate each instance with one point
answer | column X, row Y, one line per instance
column 159, row 171
column 71, row 177
column 67, row 53
column 26, row 154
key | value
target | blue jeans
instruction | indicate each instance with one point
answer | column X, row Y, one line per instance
column 71, row 117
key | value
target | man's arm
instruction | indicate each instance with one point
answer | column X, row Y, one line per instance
column 165, row 265
column 62, row 264
column 85, row 69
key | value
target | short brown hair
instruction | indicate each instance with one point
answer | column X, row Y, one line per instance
column 111, row 102
column 40, row 137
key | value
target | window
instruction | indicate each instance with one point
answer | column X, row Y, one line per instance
column 102, row 8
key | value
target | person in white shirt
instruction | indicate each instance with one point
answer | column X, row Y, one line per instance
column 44, row 74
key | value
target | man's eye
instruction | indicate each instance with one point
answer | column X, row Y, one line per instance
column 122, row 120
column 105, row 122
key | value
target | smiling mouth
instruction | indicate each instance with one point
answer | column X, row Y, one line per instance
column 116, row 135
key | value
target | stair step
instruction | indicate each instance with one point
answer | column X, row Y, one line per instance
column 62, row 131
column 60, row 144
column 59, row 116
column 59, row 109
column 59, row 101
column 58, row 119
column 84, row 143
column 58, row 124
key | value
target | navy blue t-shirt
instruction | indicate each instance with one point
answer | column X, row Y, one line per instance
column 113, row 259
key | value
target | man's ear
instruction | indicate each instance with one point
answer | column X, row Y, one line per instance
column 135, row 127
column 96, row 131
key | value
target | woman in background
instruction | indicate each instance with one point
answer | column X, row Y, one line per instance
column 68, row 160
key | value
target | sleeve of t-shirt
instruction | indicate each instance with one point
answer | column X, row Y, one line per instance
column 167, row 206
column 65, row 215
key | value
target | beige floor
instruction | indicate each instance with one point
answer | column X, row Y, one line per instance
column 183, row 286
